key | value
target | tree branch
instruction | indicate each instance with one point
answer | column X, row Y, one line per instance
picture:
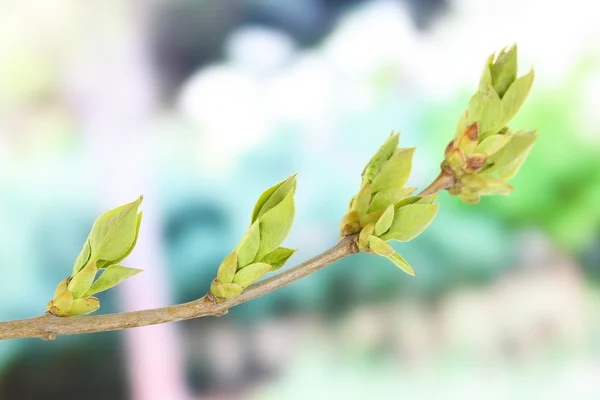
column 49, row 326
column 444, row 181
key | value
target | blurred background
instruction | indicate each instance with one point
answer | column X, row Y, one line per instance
column 202, row 104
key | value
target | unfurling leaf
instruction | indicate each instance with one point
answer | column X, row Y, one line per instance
column 381, row 156
column 515, row 96
column 385, row 221
column 84, row 306
column 401, row 263
column 82, row 258
column 427, row 199
column 395, row 172
column 380, row 247
column 248, row 247
column 362, row 200
column 504, row 69
column 114, row 232
column 135, row 239
column 278, row 257
column 350, row 224
column 62, row 304
column 61, row 288
column 371, row 218
column 82, row 282
column 492, row 144
column 111, row 277
column 519, row 146
column 382, row 200
column 275, row 225
column 273, row 196
column 228, row 268
column 485, row 108
column 410, row 221
column 250, row 274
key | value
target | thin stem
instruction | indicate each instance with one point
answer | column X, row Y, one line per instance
column 48, row 326
column 444, row 181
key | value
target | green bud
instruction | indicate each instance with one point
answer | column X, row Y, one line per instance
column 486, row 76
column 250, row 274
column 409, row 221
column 228, row 268
column 486, row 108
column 274, row 196
column 504, row 69
column 363, row 238
column 384, row 223
column 82, row 282
column 515, row 96
column 82, row 258
column 380, row 247
column 84, row 306
column 475, row 162
column 61, row 288
column 231, row 290
column 401, row 263
column 382, row 200
column 467, row 142
column 350, row 224
column 278, row 257
column 217, row 289
column 111, row 277
column 248, row 247
column 381, row 156
column 61, row 305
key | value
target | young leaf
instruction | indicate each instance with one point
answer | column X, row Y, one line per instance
column 492, row 144
column 82, row 258
column 111, row 277
column 228, row 268
column 253, row 272
column 427, row 199
column 362, row 200
column 114, row 232
column 217, row 289
column 371, row 218
column 276, row 225
column 395, row 172
column 406, row 201
column 81, row 282
column 485, row 107
column 382, row 200
column 63, row 303
column 384, row 223
column 504, row 69
column 485, row 80
column 401, row 263
column 248, row 247
column 106, row 263
column 515, row 96
column 231, row 290
column 278, row 257
column 363, row 237
column 266, row 195
column 278, row 195
column 84, row 306
column 381, row 156
column 410, row 221
column 518, row 146
column 61, row 288
column 380, row 247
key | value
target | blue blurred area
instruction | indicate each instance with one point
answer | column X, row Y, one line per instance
column 203, row 105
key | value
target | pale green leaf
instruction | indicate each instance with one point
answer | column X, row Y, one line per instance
column 492, row 144
column 253, row 272
column 381, row 156
column 114, row 232
column 395, row 172
column 248, row 247
column 384, row 223
column 382, row 200
column 363, row 237
column 518, row 147
column 362, row 200
column 278, row 257
column 263, row 198
column 231, row 290
column 504, row 69
column 111, row 277
column 410, row 221
column 276, row 225
column 427, row 199
column 217, row 289
column 81, row 282
column 401, row 263
column 485, row 108
column 380, row 247
column 63, row 302
column 515, row 96
column 84, row 306
column 82, row 258
column 289, row 186
column 485, row 80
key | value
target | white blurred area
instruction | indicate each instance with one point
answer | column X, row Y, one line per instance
column 532, row 334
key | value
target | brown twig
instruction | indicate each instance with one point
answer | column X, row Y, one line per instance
column 444, row 181
column 49, row 326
